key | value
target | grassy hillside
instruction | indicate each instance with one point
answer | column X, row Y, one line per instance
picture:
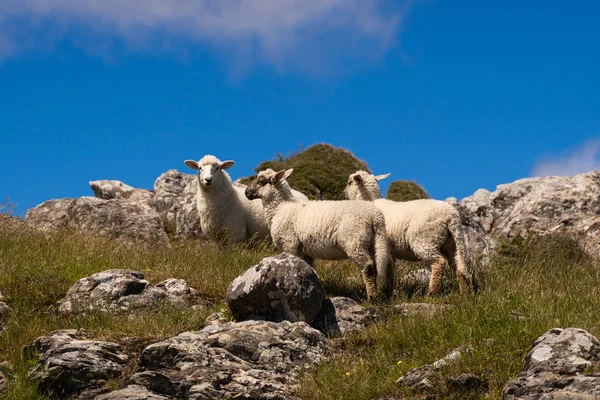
column 525, row 291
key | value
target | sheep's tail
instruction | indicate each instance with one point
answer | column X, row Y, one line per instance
column 465, row 279
column 385, row 271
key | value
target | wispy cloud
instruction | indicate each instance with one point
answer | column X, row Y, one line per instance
column 285, row 34
column 583, row 159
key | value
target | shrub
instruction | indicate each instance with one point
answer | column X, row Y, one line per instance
column 405, row 191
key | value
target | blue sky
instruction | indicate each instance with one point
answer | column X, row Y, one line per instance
column 454, row 95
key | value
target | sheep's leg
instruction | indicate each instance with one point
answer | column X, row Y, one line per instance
column 368, row 271
column 435, row 282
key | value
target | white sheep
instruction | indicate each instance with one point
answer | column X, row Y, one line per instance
column 428, row 230
column 328, row 230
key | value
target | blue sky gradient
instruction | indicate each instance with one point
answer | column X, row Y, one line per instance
column 456, row 96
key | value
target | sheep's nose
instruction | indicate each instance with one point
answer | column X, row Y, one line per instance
column 208, row 179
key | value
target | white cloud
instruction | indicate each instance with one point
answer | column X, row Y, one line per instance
column 583, row 159
column 286, row 34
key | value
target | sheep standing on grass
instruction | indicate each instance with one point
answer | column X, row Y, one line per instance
column 328, row 230
column 428, row 230
column 226, row 215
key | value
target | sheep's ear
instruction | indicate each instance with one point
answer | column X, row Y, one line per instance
column 288, row 173
column 380, row 177
column 191, row 164
column 227, row 164
column 282, row 175
column 357, row 178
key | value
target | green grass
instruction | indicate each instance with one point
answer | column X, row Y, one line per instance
column 530, row 287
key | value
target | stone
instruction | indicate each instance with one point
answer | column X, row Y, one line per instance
column 282, row 287
column 119, row 290
column 131, row 392
column 422, row 378
column 250, row 359
column 556, row 365
column 340, row 315
column 541, row 206
column 468, row 382
column 175, row 199
column 107, row 190
column 127, row 220
column 70, row 363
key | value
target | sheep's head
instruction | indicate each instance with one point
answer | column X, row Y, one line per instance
column 268, row 183
column 363, row 186
column 210, row 170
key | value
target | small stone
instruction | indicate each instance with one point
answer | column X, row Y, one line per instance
column 340, row 315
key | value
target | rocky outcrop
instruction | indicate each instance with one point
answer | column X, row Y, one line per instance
column 120, row 290
column 283, row 287
column 251, row 359
column 129, row 220
column 340, row 315
column 108, row 190
column 69, row 363
column 556, row 366
column 541, row 206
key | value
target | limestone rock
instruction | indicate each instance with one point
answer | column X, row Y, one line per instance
column 131, row 392
column 340, row 315
column 128, row 220
column 119, row 290
column 554, row 367
column 283, row 287
column 110, row 189
column 250, row 359
column 421, row 378
column 70, row 363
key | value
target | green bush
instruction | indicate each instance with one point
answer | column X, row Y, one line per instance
column 406, row 191
column 320, row 171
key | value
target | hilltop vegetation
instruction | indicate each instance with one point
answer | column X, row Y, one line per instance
column 405, row 191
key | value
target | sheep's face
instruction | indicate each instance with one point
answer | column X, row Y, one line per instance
column 265, row 184
column 210, row 170
column 363, row 186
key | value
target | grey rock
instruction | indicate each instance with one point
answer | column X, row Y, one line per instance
column 120, row 290
column 468, row 382
column 250, row 359
column 110, row 189
column 422, row 378
column 283, row 287
column 70, row 363
column 131, row 392
column 340, row 315
column 216, row 318
column 542, row 206
column 175, row 199
column 127, row 220
column 554, row 367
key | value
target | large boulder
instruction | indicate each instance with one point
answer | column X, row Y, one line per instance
column 119, row 290
column 340, row 315
column 246, row 360
column 69, row 362
column 107, row 190
column 128, row 220
column 555, row 367
column 555, row 204
column 283, row 287
column 175, row 199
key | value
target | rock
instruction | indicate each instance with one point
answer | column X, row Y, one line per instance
column 107, row 190
column 128, row 220
column 283, row 287
column 216, row 318
column 555, row 204
column 175, row 199
column 467, row 382
column 340, row 315
column 250, row 359
column 421, row 378
column 131, row 392
column 69, row 363
column 421, row 309
column 119, row 290
column 554, row 367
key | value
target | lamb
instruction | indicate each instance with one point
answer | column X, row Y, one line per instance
column 427, row 230
column 225, row 213
column 328, row 230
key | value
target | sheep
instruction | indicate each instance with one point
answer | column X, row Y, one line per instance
column 226, row 215
column 428, row 230
column 328, row 230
